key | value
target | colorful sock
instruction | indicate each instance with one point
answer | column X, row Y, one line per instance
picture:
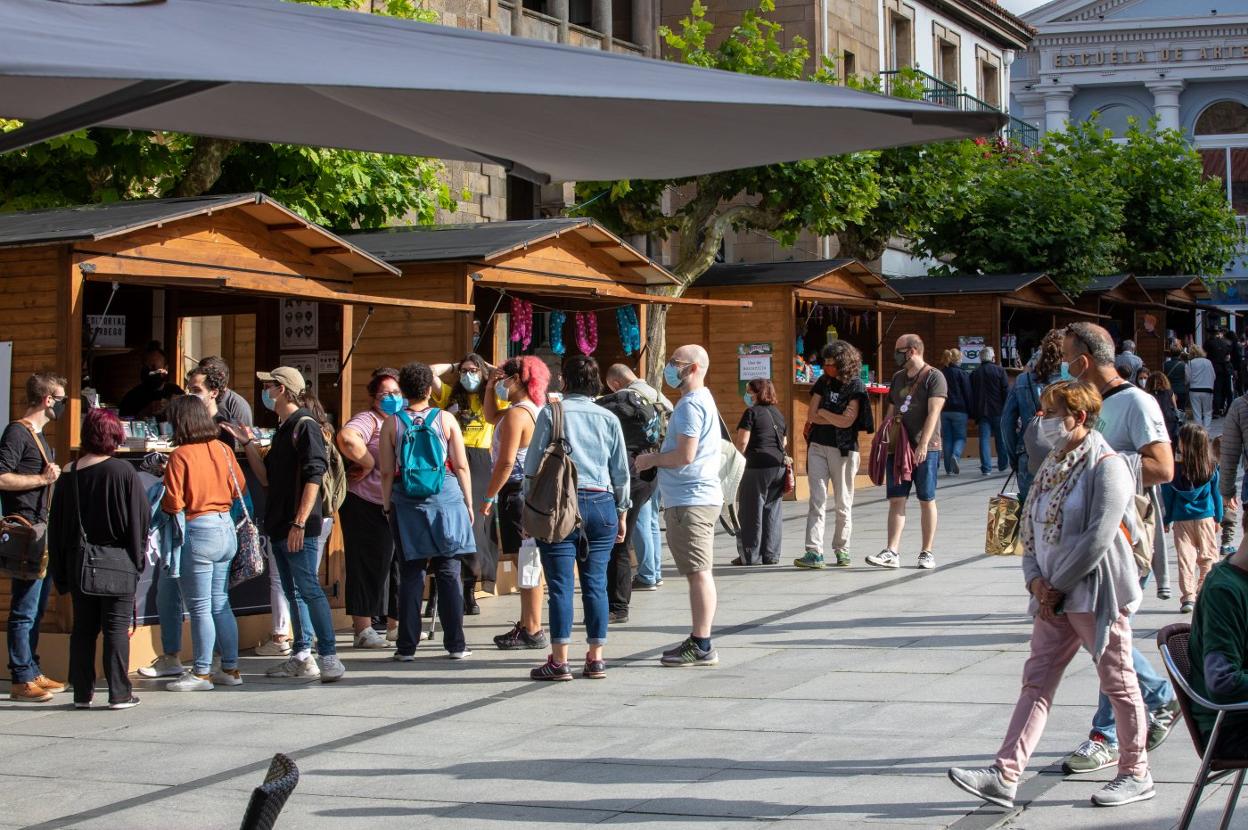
column 704, row 643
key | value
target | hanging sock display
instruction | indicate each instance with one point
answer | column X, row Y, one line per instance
column 521, row 322
column 630, row 330
column 557, row 319
column 586, row 332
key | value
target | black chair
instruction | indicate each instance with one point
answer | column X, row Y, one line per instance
column 1173, row 642
column 269, row 798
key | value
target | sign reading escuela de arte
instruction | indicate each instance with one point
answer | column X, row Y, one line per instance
column 1125, row 57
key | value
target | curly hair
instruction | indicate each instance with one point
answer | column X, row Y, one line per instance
column 415, row 381
column 533, row 373
column 1049, row 363
column 846, row 358
column 581, row 376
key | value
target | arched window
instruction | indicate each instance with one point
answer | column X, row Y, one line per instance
column 1223, row 118
column 1114, row 117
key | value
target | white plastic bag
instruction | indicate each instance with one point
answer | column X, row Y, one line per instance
column 530, row 564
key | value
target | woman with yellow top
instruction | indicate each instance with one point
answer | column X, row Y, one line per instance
column 461, row 389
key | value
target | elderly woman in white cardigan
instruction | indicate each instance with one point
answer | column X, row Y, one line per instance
column 1084, row 586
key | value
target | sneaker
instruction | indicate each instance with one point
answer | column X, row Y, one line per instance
column 227, row 677
column 1187, row 607
column 49, row 685
column 987, row 784
column 594, row 669
column 1163, row 593
column 688, row 654
column 82, row 704
column 811, row 560
column 392, row 635
column 842, row 559
column 403, row 658
column 926, row 560
column 1227, row 550
column 166, row 665
column 460, row 655
column 957, row 470
column 273, row 648
column 617, row 617
column 1093, row 754
column 642, row 585
column 471, row 608
column 29, row 693
column 190, row 682
column 368, row 638
column 1125, row 789
column 1160, row 722
column 550, row 670
column 884, row 559
column 331, row 668
column 294, row 667
column 518, row 638
column 125, row 704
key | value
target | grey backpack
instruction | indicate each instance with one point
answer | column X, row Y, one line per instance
column 551, row 511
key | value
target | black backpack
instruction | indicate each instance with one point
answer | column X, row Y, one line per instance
column 639, row 418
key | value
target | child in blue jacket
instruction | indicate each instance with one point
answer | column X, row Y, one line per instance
column 1193, row 509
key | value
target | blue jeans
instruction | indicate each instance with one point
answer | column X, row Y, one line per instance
column 648, row 543
column 29, row 598
column 991, row 427
column 169, row 610
column 922, row 479
column 599, row 524
column 952, row 436
column 210, row 545
column 302, row 587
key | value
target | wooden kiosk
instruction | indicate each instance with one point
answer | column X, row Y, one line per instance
column 82, row 290
column 812, row 301
column 1176, row 301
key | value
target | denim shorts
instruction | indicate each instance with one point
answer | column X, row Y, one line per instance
column 923, row 478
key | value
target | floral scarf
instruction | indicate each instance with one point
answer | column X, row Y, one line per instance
column 1056, row 476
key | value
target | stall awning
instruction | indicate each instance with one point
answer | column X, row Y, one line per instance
column 853, row 301
column 979, row 284
column 804, row 273
column 1015, row 302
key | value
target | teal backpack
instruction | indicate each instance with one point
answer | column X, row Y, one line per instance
column 422, row 456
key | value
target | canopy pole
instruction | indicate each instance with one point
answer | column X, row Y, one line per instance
column 343, row 367
column 133, row 98
column 476, row 341
column 95, row 331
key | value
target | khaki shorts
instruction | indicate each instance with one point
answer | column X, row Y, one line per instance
column 691, row 537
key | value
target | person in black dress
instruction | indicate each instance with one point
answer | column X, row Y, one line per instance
column 761, row 437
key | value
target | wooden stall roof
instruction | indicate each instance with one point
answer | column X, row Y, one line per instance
column 800, row 273
column 1183, row 289
column 979, row 284
column 1124, row 288
column 487, row 242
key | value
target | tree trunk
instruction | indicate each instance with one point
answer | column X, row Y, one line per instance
column 656, row 344
column 205, row 166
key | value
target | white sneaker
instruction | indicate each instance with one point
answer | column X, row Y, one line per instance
column 1125, row 789
column 884, row 559
column 166, row 665
column 221, row 677
column 403, row 658
column 926, row 560
column 369, row 638
column 460, row 655
column 294, row 667
column 332, row 668
column 273, row 648
column 190, row 682
column 392, row 635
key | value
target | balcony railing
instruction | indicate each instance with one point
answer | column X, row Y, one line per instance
column 906, row 83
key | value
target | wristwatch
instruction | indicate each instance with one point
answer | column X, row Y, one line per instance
column 297, row 524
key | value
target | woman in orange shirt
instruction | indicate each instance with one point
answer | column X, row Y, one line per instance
column 202, row 479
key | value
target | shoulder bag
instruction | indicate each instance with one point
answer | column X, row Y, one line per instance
column 248, row 562
column 24, row 544
column 790, row 480
column 551, row 510
column 107, row 571
column 1004, row 513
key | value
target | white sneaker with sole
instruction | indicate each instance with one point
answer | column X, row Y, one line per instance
column 190, row 682
column 227, row 677
column 166, row 665
column 884, row 559
column 392, row 635
column 460, row 655
column 369, row 638
column 926, row 560
column 332, row 668
column 1125, row 789
column 294, row 667
column 273, row 648
column 987, row 784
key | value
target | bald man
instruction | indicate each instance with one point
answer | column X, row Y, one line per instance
column 688, row 465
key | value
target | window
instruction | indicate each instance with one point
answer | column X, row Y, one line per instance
column 989, row 66
column 849, row 66
column 1223, row 118
column 1221, row 137
column 946, row 54
column 899, row 34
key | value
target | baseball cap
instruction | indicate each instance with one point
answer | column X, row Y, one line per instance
column 286, row 376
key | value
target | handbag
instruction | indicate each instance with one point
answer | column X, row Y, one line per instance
column 790, row 480
column 1003, row 533
column 23, row 544
column 530, row 564
column 1146, row 532
column 107, row 571
column 248, row 562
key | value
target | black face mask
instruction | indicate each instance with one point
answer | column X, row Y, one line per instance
column 153, row 378
column 58, row 409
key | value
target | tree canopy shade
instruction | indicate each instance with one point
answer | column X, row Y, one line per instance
column 263, row 70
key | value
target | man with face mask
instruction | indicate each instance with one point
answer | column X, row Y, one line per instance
column 1131, row 423
column 916, row 396
column 154, row 389
column 26, row 477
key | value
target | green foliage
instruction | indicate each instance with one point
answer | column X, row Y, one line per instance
column 341, row 189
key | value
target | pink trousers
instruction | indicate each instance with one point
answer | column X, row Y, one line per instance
column 1053, row 645
column 1196, row 544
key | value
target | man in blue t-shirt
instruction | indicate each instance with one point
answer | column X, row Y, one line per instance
column 688, row 465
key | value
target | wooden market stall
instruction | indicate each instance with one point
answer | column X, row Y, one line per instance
column 82, row 290
column 798, row 307
column 1174, row 313
column 1116, row 299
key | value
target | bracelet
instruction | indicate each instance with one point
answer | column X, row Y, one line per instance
column 298, row 524
column 491, row 499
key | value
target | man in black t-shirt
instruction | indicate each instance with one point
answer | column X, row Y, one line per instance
column 27, row 473
column 837, row 412
column 150, row 397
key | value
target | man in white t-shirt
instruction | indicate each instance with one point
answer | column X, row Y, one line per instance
column 1131, row 422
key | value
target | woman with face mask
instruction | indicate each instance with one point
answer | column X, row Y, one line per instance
column 1023, row 401
column 761, row 437
column 366, row 537
column 1084, row 585
column 468, row 395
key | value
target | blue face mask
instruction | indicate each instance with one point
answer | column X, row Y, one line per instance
column 500, row 390
column 1066, row 371
column 749, row 399
column 471, row 381
column 671, row 376
column 267, row 399
column 392, row 403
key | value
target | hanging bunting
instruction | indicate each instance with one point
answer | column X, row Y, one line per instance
column 521, row 322
column 557, row 319
column 586, row 332
column 630, row 330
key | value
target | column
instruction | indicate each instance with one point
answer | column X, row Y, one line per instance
column 558, row 10
column 1057, row 107
column 600, row 19
column 643, row 26
column 1166, row 101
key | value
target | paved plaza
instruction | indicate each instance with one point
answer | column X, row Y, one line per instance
column 841, row 698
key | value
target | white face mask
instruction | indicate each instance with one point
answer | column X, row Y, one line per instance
column 1053, row 431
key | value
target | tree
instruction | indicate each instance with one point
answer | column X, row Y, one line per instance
column 341, row 189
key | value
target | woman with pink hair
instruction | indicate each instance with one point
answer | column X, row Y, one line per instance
column 522, row 382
